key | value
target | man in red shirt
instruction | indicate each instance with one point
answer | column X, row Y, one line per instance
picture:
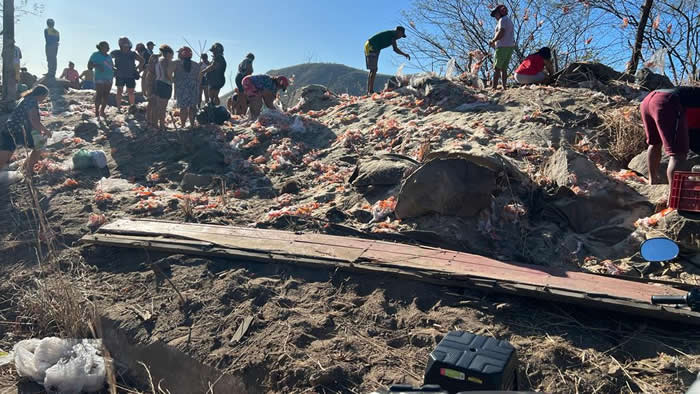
column 668, row 115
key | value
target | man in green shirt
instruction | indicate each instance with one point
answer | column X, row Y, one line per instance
column 375, row 44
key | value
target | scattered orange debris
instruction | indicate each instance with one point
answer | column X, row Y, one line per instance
column 70, row 183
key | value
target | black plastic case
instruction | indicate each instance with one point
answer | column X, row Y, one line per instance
column 463, row 361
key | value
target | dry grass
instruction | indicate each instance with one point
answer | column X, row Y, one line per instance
column 623, row 127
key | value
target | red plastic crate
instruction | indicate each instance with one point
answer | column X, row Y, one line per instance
column 685, row 191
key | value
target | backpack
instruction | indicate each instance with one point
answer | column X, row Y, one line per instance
column 213, row 114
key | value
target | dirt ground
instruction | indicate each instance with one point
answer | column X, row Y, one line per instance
column 327, row 331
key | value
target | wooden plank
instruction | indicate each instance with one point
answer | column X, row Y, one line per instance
column 600, row 301
column 422, row 263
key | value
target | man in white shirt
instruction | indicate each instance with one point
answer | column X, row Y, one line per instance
column 504, row 43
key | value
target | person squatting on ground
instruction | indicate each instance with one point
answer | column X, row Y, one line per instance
column 240, row 104
column 103, row 66
column 374, row 45
column 671, row 120
column 24, row 127
column 187, row 76
column 531, row 70
column 71, row 75
column 164, row 70
column 216, row 73
column 504, row 43
column 52, row 38
column 126, row 71
column 261, row 89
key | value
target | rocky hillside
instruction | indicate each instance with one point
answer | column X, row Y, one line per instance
column 521, row 175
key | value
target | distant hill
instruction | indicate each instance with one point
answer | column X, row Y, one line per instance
column 338, row 78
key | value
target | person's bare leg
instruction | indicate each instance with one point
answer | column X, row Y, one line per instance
column 31, row 160
column 370, row 81
column 214, row 95
column 504, row 78
column 98, row 100
column 192, row 112
column 120, row 90
column 653, row 162
column 132, row 96
column 183, row 116
column 675, row 163
column 496, row 75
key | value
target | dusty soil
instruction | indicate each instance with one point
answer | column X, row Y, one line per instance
column 325, row 331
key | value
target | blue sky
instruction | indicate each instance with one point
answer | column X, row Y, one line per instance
column 280, row 33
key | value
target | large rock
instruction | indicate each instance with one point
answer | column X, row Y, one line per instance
column 192, row 181
column 639, row 164
column 454, row 187
column 382, row 170
column 602, row 200
column 649, row 80
column 576, row 74
column 315, row 98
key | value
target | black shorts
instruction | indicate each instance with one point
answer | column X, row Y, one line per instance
column 164, row 90
column 9, row 139
column 239, row 82
column 129, row 82
column 217, row 85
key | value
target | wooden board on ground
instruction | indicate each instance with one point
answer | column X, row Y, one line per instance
column 422, row 263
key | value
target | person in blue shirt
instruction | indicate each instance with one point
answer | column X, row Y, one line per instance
column 52, row 37
column 103, row 65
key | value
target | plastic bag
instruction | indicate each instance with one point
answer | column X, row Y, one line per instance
column 61, row 365
column 59, row 136
column 399, row 72
column 451, row 68
column 82, row 159
column 10, row 177
column 298, row 125
column 658, row 61
column 99, row 159
column 108, row 185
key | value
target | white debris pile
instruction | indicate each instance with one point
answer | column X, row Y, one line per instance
column 62, row 365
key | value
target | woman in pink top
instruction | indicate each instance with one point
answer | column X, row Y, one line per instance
column 71, row 74
column 531, row 70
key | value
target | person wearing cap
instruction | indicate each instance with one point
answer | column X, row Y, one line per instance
column 261, row 89
column 186, row 85
column 668, row 116
column 375, row 44
column 126, row 70
column 216, row 73
column 531, row 70
column 71, row 74
column 504, row 43
column 52, row 37
column 245, row 68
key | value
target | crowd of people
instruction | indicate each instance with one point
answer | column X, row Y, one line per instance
column 671, row 118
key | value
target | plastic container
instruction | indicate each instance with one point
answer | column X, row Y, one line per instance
column 463, row 361
column 685, row 191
